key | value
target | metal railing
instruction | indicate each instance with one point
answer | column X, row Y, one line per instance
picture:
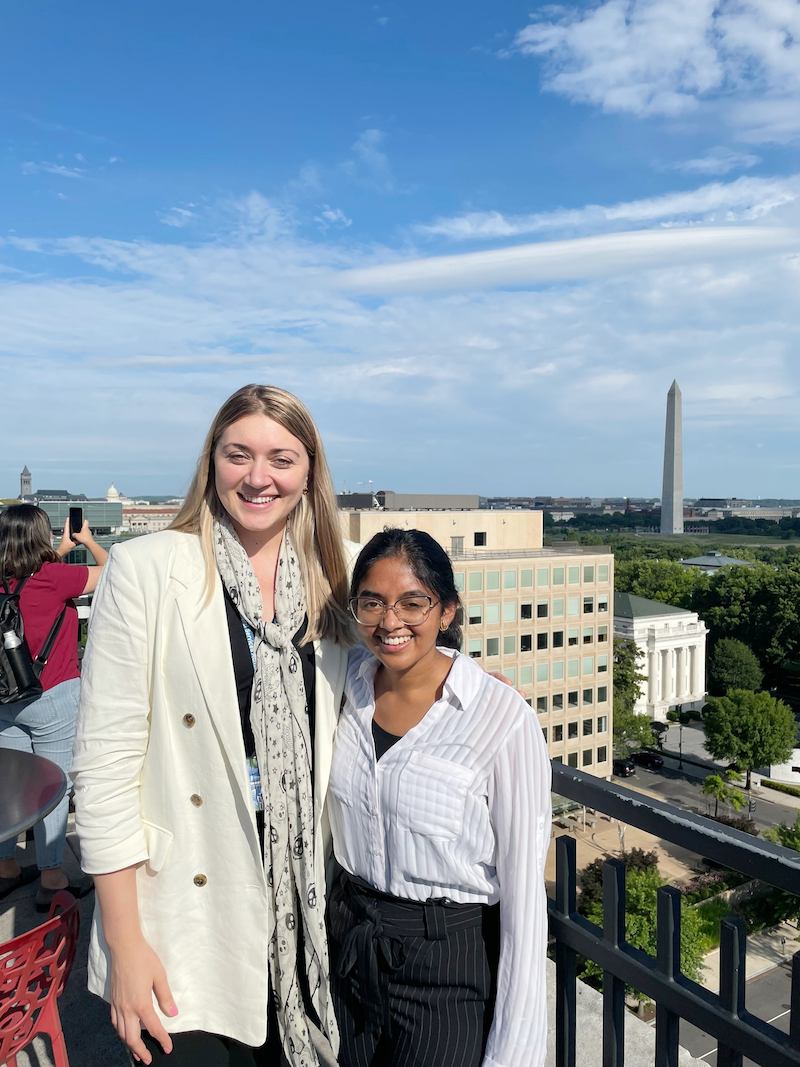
column 570, row 549
column 724, row 1016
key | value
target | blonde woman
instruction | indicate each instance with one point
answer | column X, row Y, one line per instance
column 211, row 683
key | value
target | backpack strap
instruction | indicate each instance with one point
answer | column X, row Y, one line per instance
column 41, row 659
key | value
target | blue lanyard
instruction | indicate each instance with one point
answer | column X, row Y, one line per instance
column 251, row 639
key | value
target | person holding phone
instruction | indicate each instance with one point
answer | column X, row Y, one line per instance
column 439, row 802
column 45, row 725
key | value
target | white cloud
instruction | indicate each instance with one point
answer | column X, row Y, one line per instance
column 53, row 168
column 177, row 216
column 743, row 199
column 717, row 161
column 370, row 167
column 664, row 57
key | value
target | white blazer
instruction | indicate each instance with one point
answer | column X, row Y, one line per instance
column 161, row 780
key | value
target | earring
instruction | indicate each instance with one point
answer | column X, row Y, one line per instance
column 305, row 491
column 443, row 626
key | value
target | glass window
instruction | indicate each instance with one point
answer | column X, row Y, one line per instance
column 558, row 575
column 526, row 610
column 558, row 701
column 526, row 643
column 493, row 579
column 572, row 698
column 558, row 670
column 602, row 633
column 588, row 573
column 588, row 635
column 573, row 633
column 510, row 579
column 602, row 694
column 602, row 754
column 588, row 664
column 492, row 613
column 573, row 605
column 475, row 581
column 459, row 581
column 475, row 614
column 572, row 730
column 572, row 759
column 475, row 646
column 542, row 607
column 588, row 727
column 526, row 579
column 588, row 696
column 558, row 732
column 558, row 759
column 602, row 602
column 602, row 664
column 509, row 645
column 544, row 734
column 510, row 611
column 558, row 638
column 526, row 675
column 587, row 757
column 573, row 668
column 492, row 646
column 558, row 607
column 542, row 576
column 602, row 572
column 511, row 674
column 480, row 540
column 541, row 641
column 542, row 672
column 588, row 605
column 456, row 546
column 602, row 723
column 529, row 701
column 574, row 575
column 541, row 704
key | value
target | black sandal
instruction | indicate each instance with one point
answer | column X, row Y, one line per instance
column 25, row 877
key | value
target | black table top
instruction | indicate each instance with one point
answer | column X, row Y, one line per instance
column 30, row 787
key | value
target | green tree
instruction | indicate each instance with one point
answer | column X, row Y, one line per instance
column 641, row 887
column 750, row 730
column 715, row 786
column 785, row 834
column 635, row 859
column 628, row 679
column 733, row 665
column 666, row 581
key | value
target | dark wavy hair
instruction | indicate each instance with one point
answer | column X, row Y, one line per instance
column 430, row 564
column 25, row 540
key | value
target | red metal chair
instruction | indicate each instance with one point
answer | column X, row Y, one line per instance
column 34, row 968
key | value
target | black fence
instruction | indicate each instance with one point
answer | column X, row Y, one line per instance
column 725, row 1017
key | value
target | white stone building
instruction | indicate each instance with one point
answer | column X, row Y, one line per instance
column 673, row 641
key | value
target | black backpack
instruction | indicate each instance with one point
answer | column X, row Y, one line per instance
column 19, row 671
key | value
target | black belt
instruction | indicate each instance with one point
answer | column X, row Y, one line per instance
column 373, row 948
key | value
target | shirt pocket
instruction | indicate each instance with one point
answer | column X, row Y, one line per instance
column 432, row 796
column 159, row 842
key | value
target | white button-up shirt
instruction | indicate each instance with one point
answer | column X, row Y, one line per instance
column 459, row 807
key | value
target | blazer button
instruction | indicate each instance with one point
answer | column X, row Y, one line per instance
column 196, row 800
column 200, row 880
column 189, row 719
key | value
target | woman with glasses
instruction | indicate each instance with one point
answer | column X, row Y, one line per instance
column 439, row 804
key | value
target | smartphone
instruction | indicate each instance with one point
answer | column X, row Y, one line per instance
column 75, row 521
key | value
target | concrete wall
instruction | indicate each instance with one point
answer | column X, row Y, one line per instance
column 505, row 531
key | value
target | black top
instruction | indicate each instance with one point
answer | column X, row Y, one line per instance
column 383, row 740
column 243, row 671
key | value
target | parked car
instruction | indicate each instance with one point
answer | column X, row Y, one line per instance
column 648, row 759
column 623, row 768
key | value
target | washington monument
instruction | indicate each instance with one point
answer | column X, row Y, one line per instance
column 672, row 490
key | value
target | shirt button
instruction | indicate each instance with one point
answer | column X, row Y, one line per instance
column 189, row 719
column 200, row 880
column 196, row 800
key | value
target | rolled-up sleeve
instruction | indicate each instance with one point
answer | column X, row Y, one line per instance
column 520, row 809
column 113, row 724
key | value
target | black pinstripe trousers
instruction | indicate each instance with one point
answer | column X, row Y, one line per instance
column 413, row 983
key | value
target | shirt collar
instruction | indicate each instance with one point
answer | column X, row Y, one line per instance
column 462, row 683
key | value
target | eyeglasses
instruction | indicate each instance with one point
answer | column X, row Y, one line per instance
column 410, row 610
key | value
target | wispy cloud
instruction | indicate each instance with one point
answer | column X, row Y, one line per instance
column 666, row 57
column 743, row 199
column 53, row 168
column 331, row 216
column 717, row 161
column 370, row 166
column 178, row 216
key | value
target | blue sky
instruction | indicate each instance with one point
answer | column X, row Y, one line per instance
column 478, row 239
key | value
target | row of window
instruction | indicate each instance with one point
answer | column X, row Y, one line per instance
column 490, row 613
column 587, row 756
column 523, row 577
column 575, row 667
column 556, row 701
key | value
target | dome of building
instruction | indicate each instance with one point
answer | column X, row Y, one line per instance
column 113, row 495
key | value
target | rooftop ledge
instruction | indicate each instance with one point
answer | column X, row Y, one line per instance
column 532, row 553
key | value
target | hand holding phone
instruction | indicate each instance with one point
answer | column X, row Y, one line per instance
column 75, row 522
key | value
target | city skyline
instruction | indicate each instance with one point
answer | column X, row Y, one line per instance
column 478, row 242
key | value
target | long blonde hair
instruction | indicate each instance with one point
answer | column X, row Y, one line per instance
column 313, row 524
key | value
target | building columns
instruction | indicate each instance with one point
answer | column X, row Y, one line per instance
column 666, row 675
column 652, row 677
column 693, row 687
column 680, row 674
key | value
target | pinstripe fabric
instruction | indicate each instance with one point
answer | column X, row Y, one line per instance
column 458, row 808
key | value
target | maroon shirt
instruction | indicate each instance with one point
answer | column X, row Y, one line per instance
column 42, row 601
